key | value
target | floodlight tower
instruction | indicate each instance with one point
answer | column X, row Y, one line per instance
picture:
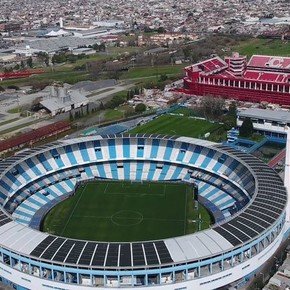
column 287, row 173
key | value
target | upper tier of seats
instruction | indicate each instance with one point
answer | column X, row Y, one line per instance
column 68, row 156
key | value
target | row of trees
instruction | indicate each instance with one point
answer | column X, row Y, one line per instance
column 23, row 65
column 99, row 47
column 64, row 57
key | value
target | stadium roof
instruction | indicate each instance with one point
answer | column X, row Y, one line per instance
column 273, row 62
column 256, row 218
column 271, row 115
column 209, row 66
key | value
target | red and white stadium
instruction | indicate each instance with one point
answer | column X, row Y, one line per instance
column 261, row 79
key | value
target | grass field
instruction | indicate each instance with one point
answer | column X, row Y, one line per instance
column 149, row 71
column 263, row 46
column 125, row 211
column 177, row 125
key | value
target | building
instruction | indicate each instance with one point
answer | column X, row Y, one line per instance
column 261, row 79
column 10, row 26
column 20, row 74
column 267, row 122
column 236, row 187
column 281, row 279
column 33, row 136
column 110, row 23
column 91, row 33
column 53, row 45
column 170, row 38
column 61, row 100
column 83, row 50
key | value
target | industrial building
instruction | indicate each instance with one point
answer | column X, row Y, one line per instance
column 53, row 45
column 61, row 100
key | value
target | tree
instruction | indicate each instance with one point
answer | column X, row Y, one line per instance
column 29, row 62
column 43, row 56
column 187, row 52
column 59, row 58
column 102, row 107
column 212, row 107
column 22, row 65
column 161, row 29
column 71, row 118
column 247, row 128
column 7, row 70
column 229, row 120
column 233, row 109
column 140, row 108
column 96, row 47
column 163, row 77
column 13, row 87
column 102, row 47
column 115, row 102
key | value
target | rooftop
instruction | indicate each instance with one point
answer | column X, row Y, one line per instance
column 277, row 115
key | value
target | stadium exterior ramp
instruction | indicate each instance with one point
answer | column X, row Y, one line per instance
column 250, row 199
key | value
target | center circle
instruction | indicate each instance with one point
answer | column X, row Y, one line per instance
column 127, row 218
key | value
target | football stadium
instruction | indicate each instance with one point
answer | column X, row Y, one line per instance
column 261, row 79
column 57, row 200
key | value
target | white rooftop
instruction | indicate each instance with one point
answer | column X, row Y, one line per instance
column 271, row 115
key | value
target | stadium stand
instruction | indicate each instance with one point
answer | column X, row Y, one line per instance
column 262, row 79
column 34, row 136
column 247, row 199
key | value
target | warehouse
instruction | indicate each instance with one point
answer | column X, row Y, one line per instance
column 61, row 100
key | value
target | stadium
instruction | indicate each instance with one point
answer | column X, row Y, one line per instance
column 246, row 198
column 261, row 79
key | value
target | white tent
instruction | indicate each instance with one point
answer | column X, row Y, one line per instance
column 56, row 33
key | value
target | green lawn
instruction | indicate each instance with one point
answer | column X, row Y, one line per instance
column 263, row 46
column 111, row 114
column 125, row 211
column 15, row 110
column 149, row 71
column 177, row 125
column 185, row 111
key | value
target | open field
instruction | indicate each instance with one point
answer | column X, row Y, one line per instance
column 125, row 211
column 263, row 46
column 149, row 71
column 177, row 125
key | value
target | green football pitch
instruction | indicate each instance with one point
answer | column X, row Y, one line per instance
column 127, row 211
column 177, row 125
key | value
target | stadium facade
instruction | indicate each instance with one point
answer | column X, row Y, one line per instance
column 261, row 79
column 247, row 199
